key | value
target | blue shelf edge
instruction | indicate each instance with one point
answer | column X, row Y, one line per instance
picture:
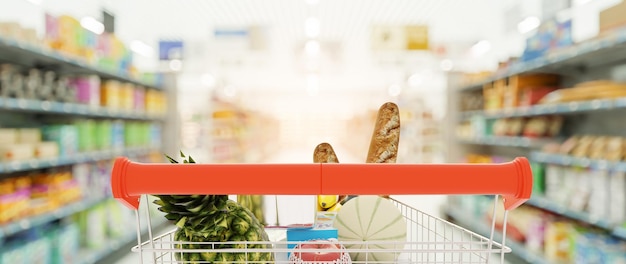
column 34, row 164
column 37, row 220
column 549, row 109
column 77, row 62
column 617, row 37
column 567, row 160
column 482, row 229
column 72, row 109
column 505, row 141
column 544, row 203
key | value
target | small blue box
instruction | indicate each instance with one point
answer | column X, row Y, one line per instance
column 304, row 234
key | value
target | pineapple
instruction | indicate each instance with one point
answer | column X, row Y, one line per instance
column 213, row 218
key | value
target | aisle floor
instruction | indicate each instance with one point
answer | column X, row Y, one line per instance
column 297, row 213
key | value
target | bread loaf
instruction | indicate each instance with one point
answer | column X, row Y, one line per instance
column 386, row 136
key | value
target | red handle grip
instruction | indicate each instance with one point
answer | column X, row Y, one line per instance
column 512, row 180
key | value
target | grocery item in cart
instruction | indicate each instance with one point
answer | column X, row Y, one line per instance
column 321, row 252
column 327, row 205
column 213, row 218
column 371, row 218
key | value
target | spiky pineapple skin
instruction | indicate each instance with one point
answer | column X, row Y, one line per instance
column 213, row 220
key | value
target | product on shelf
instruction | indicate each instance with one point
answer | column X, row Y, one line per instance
column 612, row 18
column 617, row 196
column 551, row 34
column 602, row 89
column 510, row 92
column 11, row 81
column 92, row 224
column 14, row 198
column 361, row 218
column 66, row 136
column 87, row 89
column 227, row 221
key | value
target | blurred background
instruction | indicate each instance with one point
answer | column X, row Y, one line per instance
column 244, row 81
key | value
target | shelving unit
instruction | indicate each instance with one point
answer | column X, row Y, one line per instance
column 71, row 109
column 552, row 109
column 604, row 50
column 28, row 55
column 545, row 204
column 37, row 220
column 596, row 59
column 459, row 216
column 522, row 142
column 35, row 164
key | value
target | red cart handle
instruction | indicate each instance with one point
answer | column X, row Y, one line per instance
column 512, row 180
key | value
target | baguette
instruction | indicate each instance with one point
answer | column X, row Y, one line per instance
column 324, row 153
column 386, row 136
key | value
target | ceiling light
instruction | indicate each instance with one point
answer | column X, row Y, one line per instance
column 312, row 27
column 446, row 65
column 176, row 65
column 480, row 48
column 92, row 25
column 394, row 90
column 312, row 48
column 208, row 80
column 141, row 48
column 528, row 24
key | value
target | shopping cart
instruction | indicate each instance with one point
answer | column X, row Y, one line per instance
column 429, row 239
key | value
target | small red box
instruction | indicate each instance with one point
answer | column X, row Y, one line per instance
column 531, row 96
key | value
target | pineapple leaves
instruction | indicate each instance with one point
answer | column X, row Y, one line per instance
column 171, row 159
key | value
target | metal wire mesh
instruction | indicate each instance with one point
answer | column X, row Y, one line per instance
column 429, row 240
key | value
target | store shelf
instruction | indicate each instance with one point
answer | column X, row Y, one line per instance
column 27, row 54
column 92, row 256
column 546, row 204
column 522, row 142
column 551, row 109
column 602, row 50
column 460, row 216
column 34, row 164
column 38, row 106
column 65, row 211
column 567, row 160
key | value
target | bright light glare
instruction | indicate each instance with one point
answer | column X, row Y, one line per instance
column 208, row 80
column 312, row 48
column 176, row 65
column 312, row 2
column 141, row 48
column 528, row 24
column 446, row 65
column 312, row 27
column 93, row 25
column 415, row 80
column 394, row 90
column 35, row 2
column 312, row 85
column 481, row 47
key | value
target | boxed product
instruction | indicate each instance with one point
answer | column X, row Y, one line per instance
column 92, row 224
column 11, row 81
column 16, row 152
column 599, row 199
column 558, row 241
column 515, row 86
column 127, row 93
column 46, row 150
column 117, row 135
column 65, row 244
column 87, row 89
column 110, row 94
column 103, row 135
column 8, row 136
column 617, row 192
column 28, row 135
column 613, row 17
column 578, row 182
column 86, row 132
column 66, row 136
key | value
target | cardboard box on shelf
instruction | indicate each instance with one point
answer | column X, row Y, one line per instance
column 613, row 17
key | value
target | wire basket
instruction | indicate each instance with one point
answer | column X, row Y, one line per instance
column 429, row 239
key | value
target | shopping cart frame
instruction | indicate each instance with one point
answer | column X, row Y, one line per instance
column 512, row 181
